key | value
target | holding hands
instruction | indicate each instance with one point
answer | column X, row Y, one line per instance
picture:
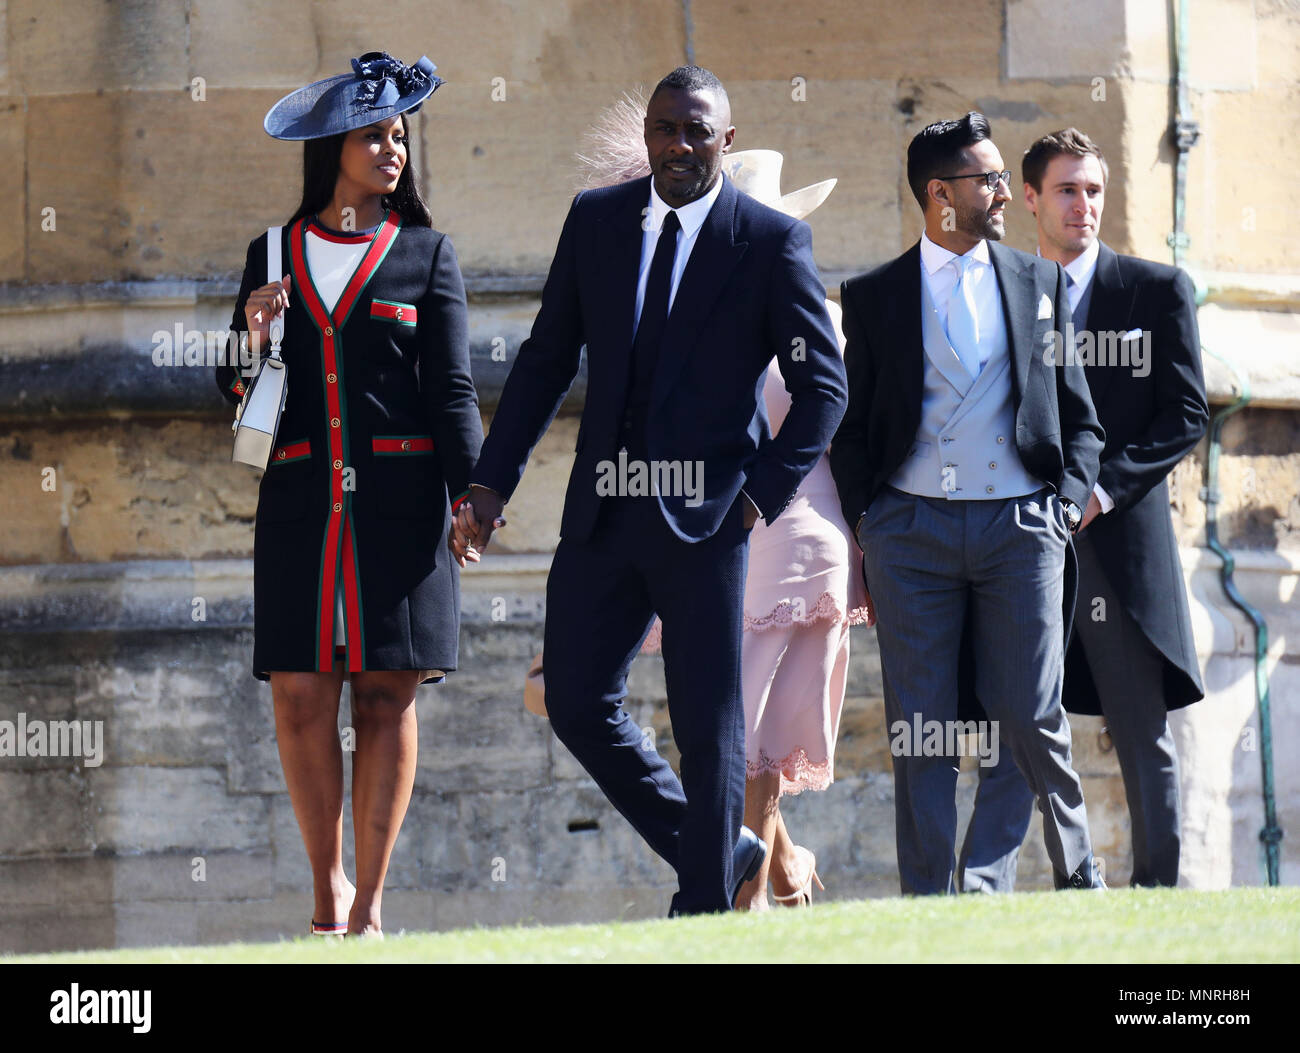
column 475, row 520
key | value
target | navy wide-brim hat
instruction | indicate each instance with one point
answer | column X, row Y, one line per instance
column 378, row 87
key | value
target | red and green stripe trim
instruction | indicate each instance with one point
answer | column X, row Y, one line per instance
column 392, row 311
column 344, row 238
column 383, row 241
column 401, row 445
column 338, row 552
column 459, row 500
column 355, row 634
column 292, row 451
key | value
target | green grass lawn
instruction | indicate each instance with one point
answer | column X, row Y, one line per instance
column 1242, row 925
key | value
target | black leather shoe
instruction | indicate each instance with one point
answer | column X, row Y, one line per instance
column 746, row 858
column 1088, row 876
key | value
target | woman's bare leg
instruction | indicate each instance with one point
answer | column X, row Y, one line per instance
column 383, row 774
column 762, row 816
column 306, row 732
column 784, row 870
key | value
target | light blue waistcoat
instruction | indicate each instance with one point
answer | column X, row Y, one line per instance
column 965, row 448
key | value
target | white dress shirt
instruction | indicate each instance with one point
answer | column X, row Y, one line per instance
column 1081, row 269
column 691, row 217
column 941, row 280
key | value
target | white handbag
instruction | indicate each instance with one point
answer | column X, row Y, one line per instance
column 257, row 418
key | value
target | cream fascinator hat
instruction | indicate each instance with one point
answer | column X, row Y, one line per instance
column 758, row 174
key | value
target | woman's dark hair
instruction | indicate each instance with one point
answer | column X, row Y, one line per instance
column 937, row 149
column 320, row 172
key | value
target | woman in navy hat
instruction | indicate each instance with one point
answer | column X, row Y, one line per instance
column 352, row 575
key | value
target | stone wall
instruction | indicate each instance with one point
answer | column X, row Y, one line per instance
column 140, row 173
column 184, row 833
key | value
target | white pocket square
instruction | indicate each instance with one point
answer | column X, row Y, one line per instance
column 1045, row 307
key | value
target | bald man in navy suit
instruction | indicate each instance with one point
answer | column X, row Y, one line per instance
column 683, row 290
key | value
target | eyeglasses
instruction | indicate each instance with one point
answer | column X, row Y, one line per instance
column 991, row 179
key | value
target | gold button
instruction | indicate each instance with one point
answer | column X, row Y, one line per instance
column 281, row 455
column 334, row 423
column 338, row 507
column 399, row 313
column 338, row 464
column 993, row 464
column 406, row 444
column 1002, row 438
column 332, row 378
column 329, row 330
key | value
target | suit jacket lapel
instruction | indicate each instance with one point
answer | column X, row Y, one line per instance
column 714, row 257
column 938, row 348
column 1020, row 300
column 619, row 237
column 902, row 315
column 1108, row 311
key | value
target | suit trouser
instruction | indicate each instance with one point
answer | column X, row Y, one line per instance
column 925, row 558
column 1129, row 676
column 601, row 598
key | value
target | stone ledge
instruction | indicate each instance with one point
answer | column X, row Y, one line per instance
column 509, row 590
column 1277, row 291
column 1264, row 344
column 120, row 379
column 160, row 594
column 86, row 350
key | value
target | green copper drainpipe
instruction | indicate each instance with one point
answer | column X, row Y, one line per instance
column 1186, row 132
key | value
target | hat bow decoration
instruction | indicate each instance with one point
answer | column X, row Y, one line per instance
column 383, row 80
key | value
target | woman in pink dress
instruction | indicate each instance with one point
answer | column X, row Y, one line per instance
column 803, row 591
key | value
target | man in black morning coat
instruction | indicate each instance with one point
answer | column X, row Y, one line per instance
column 678, row 334
column 1132, row 657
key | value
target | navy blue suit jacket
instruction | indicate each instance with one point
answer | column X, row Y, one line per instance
column 750, row 291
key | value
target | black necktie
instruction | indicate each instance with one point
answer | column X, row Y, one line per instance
column 654, row 308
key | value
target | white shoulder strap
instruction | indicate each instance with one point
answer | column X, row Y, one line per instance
column 274, row 274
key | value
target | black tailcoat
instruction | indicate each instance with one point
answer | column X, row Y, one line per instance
column 1151, row 423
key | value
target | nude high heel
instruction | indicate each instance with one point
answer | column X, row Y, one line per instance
column 803, row 896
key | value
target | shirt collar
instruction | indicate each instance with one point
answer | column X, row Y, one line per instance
column 934, row 257
column 1081, row 268
column 691, row 216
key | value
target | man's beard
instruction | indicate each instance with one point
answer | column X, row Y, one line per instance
column 979, row 224
column 696, row 188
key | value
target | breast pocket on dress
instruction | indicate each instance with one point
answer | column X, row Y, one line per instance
column 392, row 331
column 394, row 311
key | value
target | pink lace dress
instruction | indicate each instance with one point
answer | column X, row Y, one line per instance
column 803, row 591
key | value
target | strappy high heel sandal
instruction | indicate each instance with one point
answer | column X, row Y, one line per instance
column 802, row 897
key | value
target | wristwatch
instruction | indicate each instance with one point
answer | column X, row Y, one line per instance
column 1073, row 515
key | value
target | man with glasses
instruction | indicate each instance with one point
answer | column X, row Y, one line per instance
column 1132, row 657
column 964, row 461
